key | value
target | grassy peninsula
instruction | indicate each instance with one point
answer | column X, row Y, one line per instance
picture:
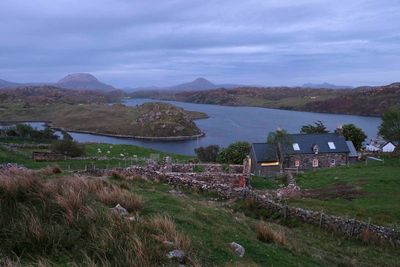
column 147, row 120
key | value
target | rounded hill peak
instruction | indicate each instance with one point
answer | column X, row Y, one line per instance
column 78, row 77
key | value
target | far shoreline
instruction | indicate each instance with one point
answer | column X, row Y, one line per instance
column 245, row 106
column 145, row 138
column 122, row 136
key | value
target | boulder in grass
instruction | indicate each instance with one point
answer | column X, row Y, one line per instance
column 177, row 254
column 237, row 248
column 119, row 210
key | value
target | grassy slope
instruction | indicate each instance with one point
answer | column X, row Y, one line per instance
column 23, row 156
column 212, row 224
column 379, row 186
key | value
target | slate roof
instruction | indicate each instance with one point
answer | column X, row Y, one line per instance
column 353, row 151
column 264, row 152
column 307, row 141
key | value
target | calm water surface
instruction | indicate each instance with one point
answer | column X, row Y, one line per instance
column 230, row 124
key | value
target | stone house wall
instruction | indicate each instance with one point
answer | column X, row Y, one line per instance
column 325, row 160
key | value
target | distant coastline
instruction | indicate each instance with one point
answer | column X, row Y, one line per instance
column 148, row 138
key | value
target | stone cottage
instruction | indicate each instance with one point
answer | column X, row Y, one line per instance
column 302, row 152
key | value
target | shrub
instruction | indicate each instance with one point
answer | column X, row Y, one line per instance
column 28, row 132
column 207, row 154
column 268, row 235
column 68, row 147
column 234, row 154
column 198, row 168
column 370, row 238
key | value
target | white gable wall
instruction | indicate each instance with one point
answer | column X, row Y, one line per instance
column 389, row 147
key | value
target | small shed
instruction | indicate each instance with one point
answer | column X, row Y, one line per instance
column 264, row 159
column 353, row 155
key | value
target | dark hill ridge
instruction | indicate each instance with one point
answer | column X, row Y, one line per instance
column 368, row 101
column 83, row 81
column 46, row 94
column 195, row 85
column 326, row 86
column 5, row 84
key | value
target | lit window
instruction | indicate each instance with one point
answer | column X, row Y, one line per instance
column 331, row 145
column 296, row 146
column 297, row 163
column 315, row 163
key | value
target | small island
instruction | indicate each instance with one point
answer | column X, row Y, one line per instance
column 152, row 121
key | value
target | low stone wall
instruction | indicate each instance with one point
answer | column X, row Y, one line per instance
column 44, row 146
column 47, row 156
column 228, row 186
column 213, row 168
column 225, row 179
column 349, row 227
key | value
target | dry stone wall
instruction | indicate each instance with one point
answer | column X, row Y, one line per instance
column 213, row 168
column 229, row 186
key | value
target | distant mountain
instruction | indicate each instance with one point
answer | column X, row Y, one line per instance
column 325, row 86
column 198, row 84
column 83, row 81
column 5, row 84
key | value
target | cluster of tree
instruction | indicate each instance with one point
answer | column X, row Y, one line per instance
column 390, row 126
column 233, row 154
column 349, row 131
column 68, row 147
column 26, row 131
column 352, row 133
column 318, row 127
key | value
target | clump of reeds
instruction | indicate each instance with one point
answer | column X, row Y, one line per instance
column 266, row 234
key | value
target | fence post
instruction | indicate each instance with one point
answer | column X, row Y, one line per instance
column 321, row 218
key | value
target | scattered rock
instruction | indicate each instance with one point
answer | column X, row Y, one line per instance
column 177, row 254
column 134, row 218
column 238, row 249
column 119, row 210
column 176, row 193
column 168, row 243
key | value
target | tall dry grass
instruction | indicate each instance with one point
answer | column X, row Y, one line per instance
column 47, row 222
column 266, row 234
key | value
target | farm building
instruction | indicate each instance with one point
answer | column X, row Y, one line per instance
column 381, row 145
column 302, row 152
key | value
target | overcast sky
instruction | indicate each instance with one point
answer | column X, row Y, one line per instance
column 130, row 43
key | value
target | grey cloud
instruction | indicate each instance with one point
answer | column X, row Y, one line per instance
column 135, row 43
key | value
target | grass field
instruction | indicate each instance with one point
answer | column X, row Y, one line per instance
column 116, row 157
column 364, row 192
column 69, row 224
column 209, row 223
